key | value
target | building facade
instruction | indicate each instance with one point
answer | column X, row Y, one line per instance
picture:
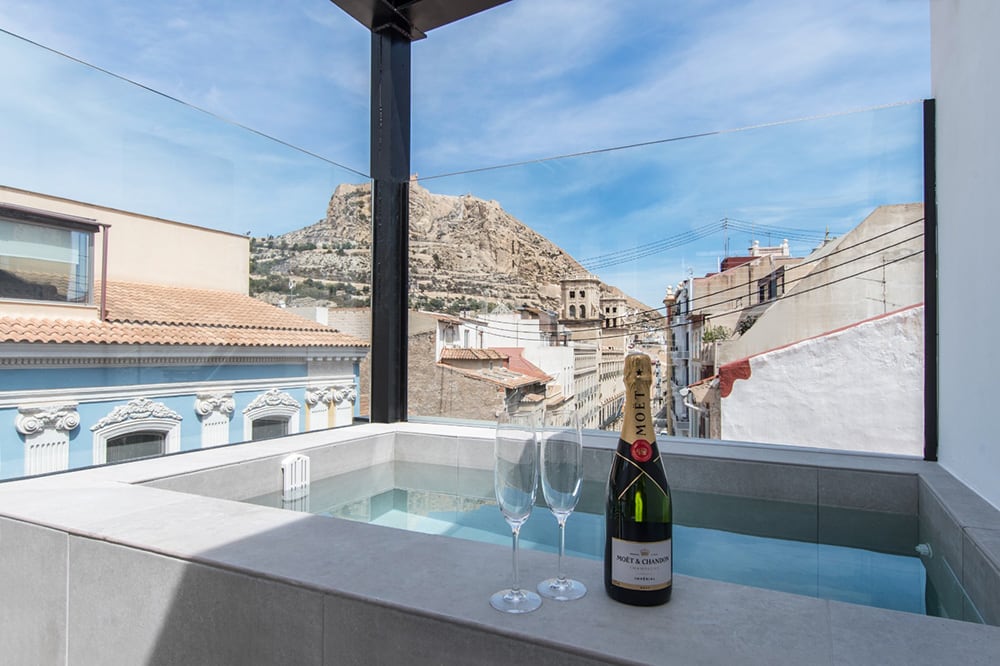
column 124, row 336
column 854, row 305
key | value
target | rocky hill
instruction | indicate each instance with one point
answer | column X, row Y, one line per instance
column 464, row 253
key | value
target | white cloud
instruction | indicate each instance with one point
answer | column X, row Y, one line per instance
column 747, row 62
column 528, row 79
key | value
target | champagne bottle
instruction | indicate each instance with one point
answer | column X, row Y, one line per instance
column 638, row 554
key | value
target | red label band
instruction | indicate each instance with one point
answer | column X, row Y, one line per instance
column 641, row 451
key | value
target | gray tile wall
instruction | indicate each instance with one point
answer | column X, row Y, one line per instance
column 32, row 594
column 163, row 610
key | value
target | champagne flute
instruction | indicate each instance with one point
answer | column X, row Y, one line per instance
column 515, row 477
column 562, row 478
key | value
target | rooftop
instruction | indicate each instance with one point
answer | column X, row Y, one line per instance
column 148, row 314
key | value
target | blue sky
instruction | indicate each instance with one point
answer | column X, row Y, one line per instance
column 529, row 80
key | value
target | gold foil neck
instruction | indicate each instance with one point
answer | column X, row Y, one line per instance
column 638, row 369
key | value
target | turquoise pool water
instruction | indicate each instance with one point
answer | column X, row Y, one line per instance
column 853, row 556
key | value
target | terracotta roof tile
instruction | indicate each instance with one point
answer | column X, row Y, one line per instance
column 499, row 376
column 468, row 354
column 156, row 314
column 522, row 365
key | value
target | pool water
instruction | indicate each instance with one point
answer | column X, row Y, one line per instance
column 854, row 556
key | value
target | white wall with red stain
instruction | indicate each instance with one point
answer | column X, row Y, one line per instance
column 856, row 389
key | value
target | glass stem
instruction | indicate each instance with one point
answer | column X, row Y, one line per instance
column 515, row 587
column 560, row 576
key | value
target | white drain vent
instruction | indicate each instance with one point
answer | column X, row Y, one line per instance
column 294, row 477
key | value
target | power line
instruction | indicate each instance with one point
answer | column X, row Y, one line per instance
column 199, row 109
column 670, row 239
column 645, row 251
column 624, row 256
column 827, row 255
column 657, row 311
column 654, row 142
column 831, row 282
column 654, row 315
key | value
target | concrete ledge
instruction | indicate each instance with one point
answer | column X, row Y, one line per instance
column 196, row 578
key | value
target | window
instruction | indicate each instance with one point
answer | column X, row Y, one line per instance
column 271, row 414
column 45, row 257
column 267, row 428
column 140, row 417
column 144, row 444
column 572, row 312
column 572, row 293
column 583, row 312
column 771, row 286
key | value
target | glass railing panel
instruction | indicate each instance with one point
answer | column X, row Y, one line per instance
column 774, row 274
column 220, row 299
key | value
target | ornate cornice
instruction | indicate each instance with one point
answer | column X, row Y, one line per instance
column 330, row 395
column 33, row 420
column 273, row 398
column 316, row 395
column 207, row 403
column 343, row 394
column 135, row 410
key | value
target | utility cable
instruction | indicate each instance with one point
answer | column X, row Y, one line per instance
column 211, row 114
column 655, row 142
column 653, row 316
column 660, row 311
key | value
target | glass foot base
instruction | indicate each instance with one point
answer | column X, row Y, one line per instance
column 562, row 590
column 520, row 601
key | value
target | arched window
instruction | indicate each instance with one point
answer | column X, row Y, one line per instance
column 271, row 414
column 583, row 312
column 268, row 427
column 572, row 312
column 134, row 429
column 135, row 445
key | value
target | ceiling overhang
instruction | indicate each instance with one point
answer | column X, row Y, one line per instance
column 412, row 18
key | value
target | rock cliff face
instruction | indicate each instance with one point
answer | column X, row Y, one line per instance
column 461, row 249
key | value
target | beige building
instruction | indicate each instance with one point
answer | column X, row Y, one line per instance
column 847, row 320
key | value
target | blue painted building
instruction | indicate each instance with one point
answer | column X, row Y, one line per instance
column 101, row 364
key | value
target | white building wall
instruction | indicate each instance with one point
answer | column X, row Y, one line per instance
column 504, row 330
column 557, row 362
column 820, row 392
column 965, row 53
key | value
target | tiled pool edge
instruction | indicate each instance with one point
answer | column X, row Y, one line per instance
column 704, row 611
column 856, row 481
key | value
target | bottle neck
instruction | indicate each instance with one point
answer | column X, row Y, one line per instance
column 637, row 418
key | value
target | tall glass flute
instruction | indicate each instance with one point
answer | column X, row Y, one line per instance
column 515, row 477
column 562, row 477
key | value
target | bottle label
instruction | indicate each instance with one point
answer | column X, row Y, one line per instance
column 641, row 565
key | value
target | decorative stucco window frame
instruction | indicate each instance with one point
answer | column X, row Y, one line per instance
column 138, row 415
column 274, row 403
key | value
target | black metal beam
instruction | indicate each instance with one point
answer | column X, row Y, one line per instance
column 930, row 284
column 390, row 171
column 412, row 18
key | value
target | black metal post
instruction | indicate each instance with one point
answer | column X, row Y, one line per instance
column 930, row 285
column 390, row 169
